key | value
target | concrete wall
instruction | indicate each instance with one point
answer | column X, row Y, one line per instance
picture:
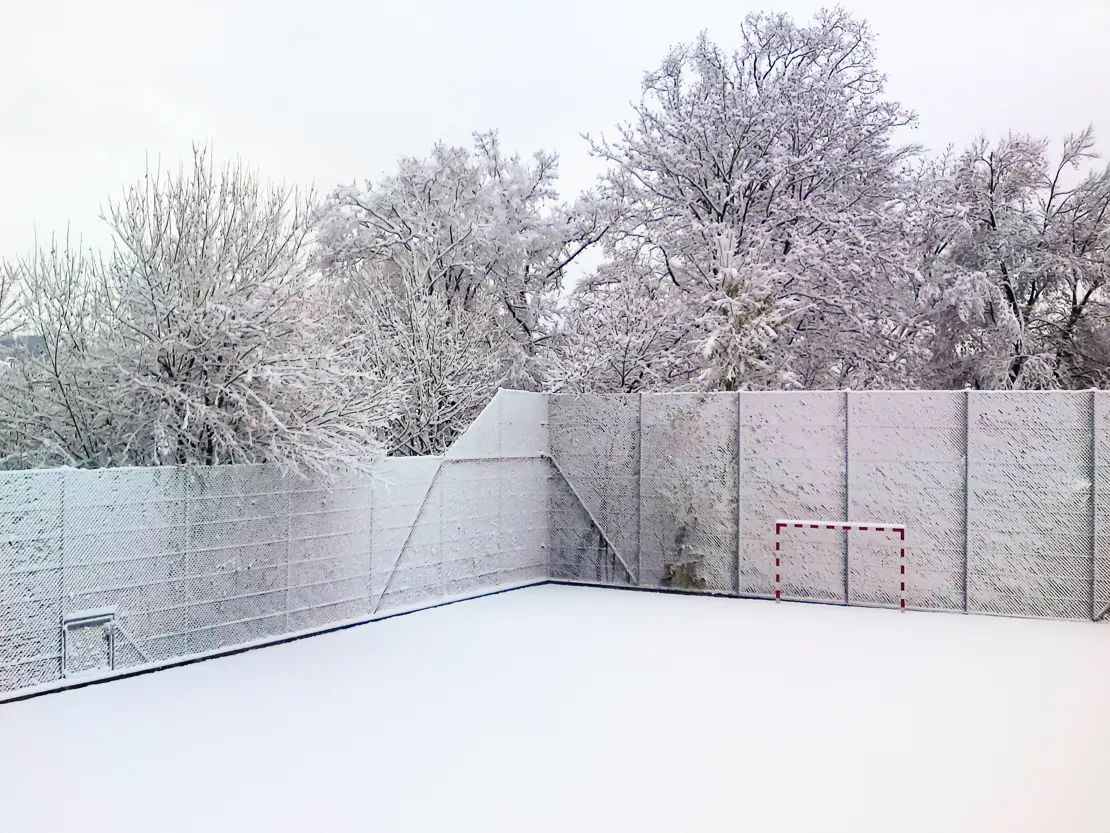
column 1003, row 495
column 187, row 563
column 1003, row 498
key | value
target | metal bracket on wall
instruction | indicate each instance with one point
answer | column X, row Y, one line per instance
column 103, row 617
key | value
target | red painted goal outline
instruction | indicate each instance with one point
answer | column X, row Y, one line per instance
column 857, row 525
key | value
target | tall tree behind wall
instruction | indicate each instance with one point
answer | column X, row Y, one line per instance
column 785, row 151
column 448, row 271
column 1017, row 271
column 197, row 341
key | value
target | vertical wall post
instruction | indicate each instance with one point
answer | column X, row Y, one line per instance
column 967, row 492
column 847, row 493
column 112, row 644
column 441, row 543
column 739, row 482
column 371, row 486
column 640, row 489
column 188, row 479
column 287, row 488
column 63, row 546
column 1094, row 499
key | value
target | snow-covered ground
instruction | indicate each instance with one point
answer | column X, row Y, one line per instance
column 576, row 709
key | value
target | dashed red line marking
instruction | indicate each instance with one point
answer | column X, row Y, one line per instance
column 847, row 526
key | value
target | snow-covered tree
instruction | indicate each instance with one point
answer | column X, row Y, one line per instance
column 9, row 301
column 444, row 351
column 449, row 270
column 53, row 407
column 197, row 341
column 785, row 148
column 751, row 321
column 627, row 331
column 1018, row 264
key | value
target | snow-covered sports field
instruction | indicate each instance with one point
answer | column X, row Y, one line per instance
column 578, row 709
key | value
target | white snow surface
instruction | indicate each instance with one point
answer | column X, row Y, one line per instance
column 580, row 709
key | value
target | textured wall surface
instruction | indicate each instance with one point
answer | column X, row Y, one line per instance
column 1100, row 580
column 792, row 457
column 30, row 577
column 190, row 562
column 596, row 447
column 1004, row 498
column 1004, row 495
column 689, row 486
column 1030, row 532
column 906, row 454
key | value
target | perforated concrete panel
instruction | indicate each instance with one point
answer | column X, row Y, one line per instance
column 1004, row 498
column 125, row 546
column 792, row 465
column 30, row 577
column 401, row 487
column 1100, row 590
column 578, row 548
column 1029, row 510
column 906, row 456
column 689, row 489
column 595, row 445
column 1002, row 510
column 514, row 424
column 197, row 561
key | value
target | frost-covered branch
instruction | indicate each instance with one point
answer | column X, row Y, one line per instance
column 448, row 273
column 199, row 340
column 785, row 148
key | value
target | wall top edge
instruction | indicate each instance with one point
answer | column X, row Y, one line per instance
column 787, row 393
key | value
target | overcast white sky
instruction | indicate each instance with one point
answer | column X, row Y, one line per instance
column 334, row 90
